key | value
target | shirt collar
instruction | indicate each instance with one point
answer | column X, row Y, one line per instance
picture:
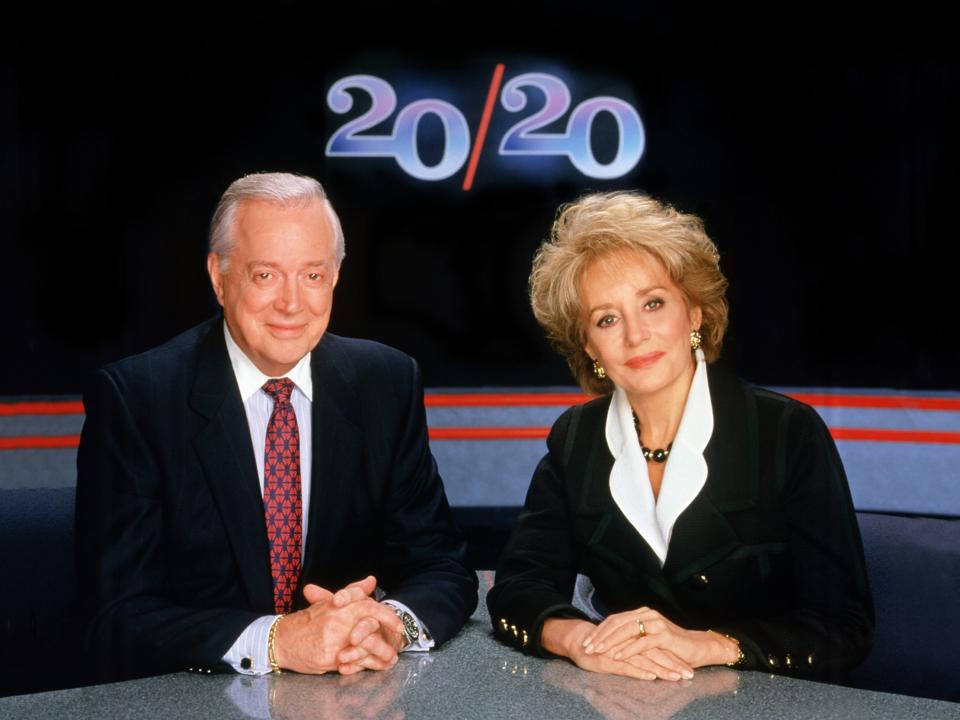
column 249, row 377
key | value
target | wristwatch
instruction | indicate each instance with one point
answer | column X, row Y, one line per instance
column 411, row 630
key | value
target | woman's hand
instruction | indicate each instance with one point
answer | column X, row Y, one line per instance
column 567, row 638
column 648, row 634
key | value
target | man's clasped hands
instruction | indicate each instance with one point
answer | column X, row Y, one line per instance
column 346, row 631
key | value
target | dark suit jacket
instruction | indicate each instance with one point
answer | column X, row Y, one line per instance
column 768, row 552
column 172, row 551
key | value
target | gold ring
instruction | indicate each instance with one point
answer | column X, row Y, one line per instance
column 641, row 631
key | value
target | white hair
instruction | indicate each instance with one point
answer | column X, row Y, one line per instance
column 284, row 188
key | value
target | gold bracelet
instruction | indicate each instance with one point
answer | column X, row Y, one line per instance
column 271, row 644
column 740, row 655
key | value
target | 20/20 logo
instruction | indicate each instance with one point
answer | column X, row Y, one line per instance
column 521, row 139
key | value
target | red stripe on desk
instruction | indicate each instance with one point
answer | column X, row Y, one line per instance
column 39, row 442
column 489, row 433
column 909, row 436
column 840, row 433
column 505, row 399
column 62, row 407
column 878, row 401
column 848, row 400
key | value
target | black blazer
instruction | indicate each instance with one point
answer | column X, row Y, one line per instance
column 172, row 553
column 768, row 552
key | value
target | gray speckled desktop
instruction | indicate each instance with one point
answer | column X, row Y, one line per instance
column 473, row 676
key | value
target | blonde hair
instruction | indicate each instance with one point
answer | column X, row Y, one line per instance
column 600, row 224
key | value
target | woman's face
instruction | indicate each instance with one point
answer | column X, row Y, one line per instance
column 637, row 323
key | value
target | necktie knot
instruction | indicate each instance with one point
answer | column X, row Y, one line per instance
column 279, row 389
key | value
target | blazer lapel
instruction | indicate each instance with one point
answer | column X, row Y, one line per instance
column 337, row 450
column 223, row 446
column 612, row 537
column 702, row 534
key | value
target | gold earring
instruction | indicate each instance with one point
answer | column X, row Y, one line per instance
column 696, row 339
column 599, row 371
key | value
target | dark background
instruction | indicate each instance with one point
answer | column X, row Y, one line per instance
column 824, row 165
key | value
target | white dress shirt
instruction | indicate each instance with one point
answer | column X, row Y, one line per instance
column 258, row 405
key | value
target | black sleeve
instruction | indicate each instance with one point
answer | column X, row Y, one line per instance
column 133, row 628
column 424, row 553
column 830, row 626
column 537, row 572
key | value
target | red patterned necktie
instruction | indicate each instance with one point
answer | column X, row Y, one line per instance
column 282, row 502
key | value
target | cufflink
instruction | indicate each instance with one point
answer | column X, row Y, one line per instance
column 246, row 663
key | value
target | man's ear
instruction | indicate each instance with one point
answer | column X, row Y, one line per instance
column 216, row 277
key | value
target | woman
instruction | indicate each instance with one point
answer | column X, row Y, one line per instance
column 712, row 519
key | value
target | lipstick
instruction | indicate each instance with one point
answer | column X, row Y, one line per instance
column 640, row 362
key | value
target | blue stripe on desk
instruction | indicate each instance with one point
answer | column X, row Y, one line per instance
column 884, row 476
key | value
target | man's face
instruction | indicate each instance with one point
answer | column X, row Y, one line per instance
column 277, row 292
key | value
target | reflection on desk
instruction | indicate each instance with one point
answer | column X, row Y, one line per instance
column 473, row 676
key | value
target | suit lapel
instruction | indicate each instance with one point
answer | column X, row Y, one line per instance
column 612, row 536
column 223, row 446
column 620, row 544
column 337, row 451
column 702, row 534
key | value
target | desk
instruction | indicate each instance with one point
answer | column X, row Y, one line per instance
column 473, row 676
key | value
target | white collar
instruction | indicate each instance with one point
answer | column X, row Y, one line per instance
column 249, row 377
column 684, row 475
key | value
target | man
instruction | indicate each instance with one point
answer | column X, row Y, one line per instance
column 231, row 479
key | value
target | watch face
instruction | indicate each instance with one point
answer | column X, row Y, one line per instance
column 410, row 628
column 410, row 625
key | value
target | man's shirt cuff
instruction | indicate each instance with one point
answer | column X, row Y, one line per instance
column 248, row 654
column 424, row 642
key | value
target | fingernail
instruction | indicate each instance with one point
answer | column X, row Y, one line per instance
column 589, row 649
column 617, row 656
column 673, row 676
column 688, row 674
column 600, row 647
